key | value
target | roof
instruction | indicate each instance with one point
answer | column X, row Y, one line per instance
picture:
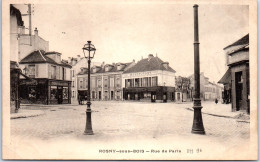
column 102, row 69
column 154, row 63
column 226, row 77
column 40, row 57
column 15, row 12
column 243, row 41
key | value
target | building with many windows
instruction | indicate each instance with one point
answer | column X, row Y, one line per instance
column 78, row 64
column 106, row 81
column 51, row 82
column 183, row 91
column 150, row 79
column 208, row 90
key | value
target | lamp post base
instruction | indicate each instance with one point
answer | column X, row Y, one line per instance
column 197, row 127
column 88, row 128
column 89, row 132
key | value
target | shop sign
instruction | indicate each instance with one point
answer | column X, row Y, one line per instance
column 140, row 74
column 59, row 83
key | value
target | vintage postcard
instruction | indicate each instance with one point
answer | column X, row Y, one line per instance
column 129, row 80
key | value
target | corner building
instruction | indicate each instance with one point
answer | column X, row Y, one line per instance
column 150, row 79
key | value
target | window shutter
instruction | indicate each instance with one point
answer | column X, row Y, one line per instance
column 49, row 70
column 65, row 78
column 36, row 70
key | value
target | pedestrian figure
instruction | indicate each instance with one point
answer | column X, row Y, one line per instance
column 216, row 101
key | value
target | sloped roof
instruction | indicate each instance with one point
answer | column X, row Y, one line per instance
column 40, row 57
column 154, row 63
column 102, row 69
column 243, row 41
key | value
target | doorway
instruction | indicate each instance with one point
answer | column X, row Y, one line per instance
column 99, row 95
column 239, row 89
column 59, row 94
column 112, row 95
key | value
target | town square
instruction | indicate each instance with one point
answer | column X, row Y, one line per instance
column 127, row 80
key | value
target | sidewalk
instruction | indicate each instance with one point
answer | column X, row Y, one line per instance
column 221, row 110
column 23, row 113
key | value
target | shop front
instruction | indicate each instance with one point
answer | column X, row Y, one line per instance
column 45, row 91
column 151, row 94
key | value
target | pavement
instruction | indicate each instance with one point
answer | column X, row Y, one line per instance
column 58, row 133
column 23, row 113
column 209, row 108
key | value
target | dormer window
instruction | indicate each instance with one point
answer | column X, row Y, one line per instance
column 94, row 69
column 118, row 67
column 106, row 68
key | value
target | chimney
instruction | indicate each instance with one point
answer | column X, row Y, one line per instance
column 150, row 56
column 73, row 61
column 36, row 31
column 102, row 65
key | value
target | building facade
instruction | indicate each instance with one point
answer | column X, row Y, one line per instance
column 105, row 81
column 236, row 79
column 16, row 22
column 150, row 79
column 51, row 83
column 29, row 43
column 78, row 63
column 183, row 91
column 208, row 91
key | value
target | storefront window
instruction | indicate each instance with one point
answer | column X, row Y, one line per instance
column 53, row 92
column 32, row 93
column 137, row 82
column 154, row 81
column 65, row 93
column 145, row 81
column 147, row 95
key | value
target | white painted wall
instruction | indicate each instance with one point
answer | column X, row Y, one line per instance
column 13, row 39
column 37, row 44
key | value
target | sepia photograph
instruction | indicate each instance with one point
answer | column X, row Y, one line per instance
column 129, row 80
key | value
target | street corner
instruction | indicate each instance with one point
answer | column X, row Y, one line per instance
column 26, row 114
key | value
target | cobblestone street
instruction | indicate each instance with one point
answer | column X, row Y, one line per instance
column 123, row 123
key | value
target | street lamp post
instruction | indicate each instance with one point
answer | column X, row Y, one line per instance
column 91, row 52
column 197, row 127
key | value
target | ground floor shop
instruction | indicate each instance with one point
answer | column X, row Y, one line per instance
column 153, row 94
column 240, row 88
column 99, row 94
column 45, row 91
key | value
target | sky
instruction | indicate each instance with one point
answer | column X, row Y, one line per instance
column 123, row 32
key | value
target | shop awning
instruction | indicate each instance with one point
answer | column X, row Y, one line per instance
column 226, row 77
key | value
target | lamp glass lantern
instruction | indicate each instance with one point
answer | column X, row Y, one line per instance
column 91, row 50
